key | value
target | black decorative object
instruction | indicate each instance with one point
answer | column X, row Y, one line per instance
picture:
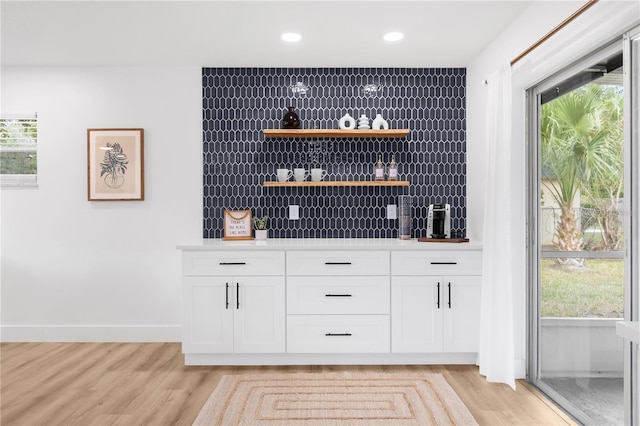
column 290, row 120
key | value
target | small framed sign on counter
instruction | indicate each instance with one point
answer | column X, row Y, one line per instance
column 237, row 225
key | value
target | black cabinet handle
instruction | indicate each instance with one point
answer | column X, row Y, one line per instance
column 337, row 295
column 438, row 289
column 226, row 297
column 449, row 285
column 444, row 263
column 237, row 296
column 337, row 263
column 337, row 334
column 232, row 263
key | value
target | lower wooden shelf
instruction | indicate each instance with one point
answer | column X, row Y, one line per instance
column 340, row 183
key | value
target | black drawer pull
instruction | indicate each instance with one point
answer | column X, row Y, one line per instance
column 438, row 291
column 237, row 296
column 449, row 286
column 232, row 263
column 337, row 334
column 226, row 297
column 444, row 263
column 337, row 295
column 337, row 263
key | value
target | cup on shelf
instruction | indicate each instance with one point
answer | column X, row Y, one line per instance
column 300, row 175
column 317, row 175
column 284, row 175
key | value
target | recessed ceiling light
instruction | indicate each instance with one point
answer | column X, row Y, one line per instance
column 393, row 36
column 291, row 37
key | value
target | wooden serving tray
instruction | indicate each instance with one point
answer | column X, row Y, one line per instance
column 443, row 240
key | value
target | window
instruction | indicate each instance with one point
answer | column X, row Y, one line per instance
column 18, row 150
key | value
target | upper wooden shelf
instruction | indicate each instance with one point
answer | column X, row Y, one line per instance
column 334, row 133
column 341, row 183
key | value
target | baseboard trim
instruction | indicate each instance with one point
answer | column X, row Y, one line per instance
column 90, row 333
column 520, row 367
column 329, row 359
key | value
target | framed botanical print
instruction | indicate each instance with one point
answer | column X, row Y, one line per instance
column 237, row 225
column 115, row 164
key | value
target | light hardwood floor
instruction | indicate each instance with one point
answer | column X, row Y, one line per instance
column 148, row 384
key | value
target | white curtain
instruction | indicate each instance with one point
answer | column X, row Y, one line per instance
column 496, row 351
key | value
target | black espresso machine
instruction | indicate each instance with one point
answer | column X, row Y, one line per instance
column 439, row 221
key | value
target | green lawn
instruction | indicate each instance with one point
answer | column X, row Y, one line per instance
column 24, row 163
column 596, row 292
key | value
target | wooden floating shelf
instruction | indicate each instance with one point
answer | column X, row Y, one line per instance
column 340, row 183
column 334, row 133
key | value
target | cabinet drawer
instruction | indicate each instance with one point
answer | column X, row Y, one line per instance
column 318, row 262
column 338, row 295
column 436, row 263
column 233, row 263
column 338, row 333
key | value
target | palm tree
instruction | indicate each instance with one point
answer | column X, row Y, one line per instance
column 576, row 148
column 605, row 192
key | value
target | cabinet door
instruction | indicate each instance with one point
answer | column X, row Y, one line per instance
column 461, row 313
column 208, row 322
column 416, row 314
column 259, row 314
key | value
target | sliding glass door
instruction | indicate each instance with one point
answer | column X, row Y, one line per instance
column 580, row 272
column 632, row 221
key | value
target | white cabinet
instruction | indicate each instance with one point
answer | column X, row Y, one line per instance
column 330, row 303
column 417, row 319
column 461, row 322
column 338, row 302
column 208, row 322
column 432, row 312
column 234, row 313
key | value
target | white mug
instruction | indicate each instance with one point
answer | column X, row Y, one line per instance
column 300, row 175
column 284, row 175
column 317, row 175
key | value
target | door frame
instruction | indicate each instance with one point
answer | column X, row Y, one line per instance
column 631, row 60
column 533, row 154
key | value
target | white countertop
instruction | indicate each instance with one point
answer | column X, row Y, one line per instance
column 327, row 244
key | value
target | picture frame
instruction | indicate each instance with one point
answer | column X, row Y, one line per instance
column 115, row 164
column 237, row 225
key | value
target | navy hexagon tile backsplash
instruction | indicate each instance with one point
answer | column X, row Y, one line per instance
column 238, row 103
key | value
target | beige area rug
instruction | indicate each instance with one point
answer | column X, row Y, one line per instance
column 334, row 399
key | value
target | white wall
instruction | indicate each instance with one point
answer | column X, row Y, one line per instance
column 595, row 27
column 79, row 270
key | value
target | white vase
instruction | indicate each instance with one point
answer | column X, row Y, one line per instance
column 261, row 234
column 379, row 123
column 347, row 122
column 363, row 122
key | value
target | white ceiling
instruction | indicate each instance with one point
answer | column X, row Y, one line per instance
column 247, row 33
